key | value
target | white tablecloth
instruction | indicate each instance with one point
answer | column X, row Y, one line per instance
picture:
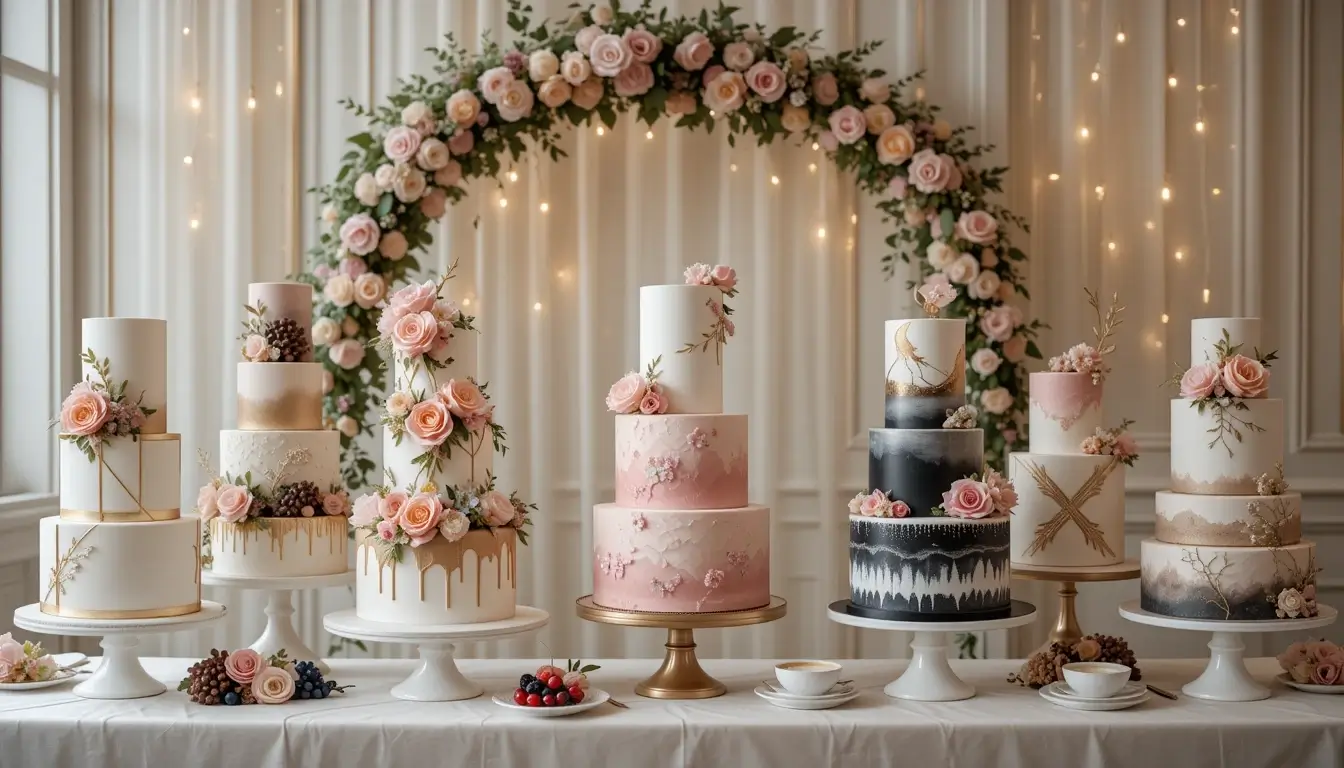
column 1004, row 725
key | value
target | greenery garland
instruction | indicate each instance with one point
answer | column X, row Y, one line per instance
column 433, row 135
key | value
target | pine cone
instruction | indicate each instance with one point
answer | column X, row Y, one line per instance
column 288, row 339
column 292, row 498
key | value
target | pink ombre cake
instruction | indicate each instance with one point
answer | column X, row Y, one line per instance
column 681, row 461
column 1065, row 408
column 681, row 561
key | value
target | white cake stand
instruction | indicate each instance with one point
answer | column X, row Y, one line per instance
column 437, row 677
column 280, row 632
column 929, row 676
column 1226, row 677
column 119, row 675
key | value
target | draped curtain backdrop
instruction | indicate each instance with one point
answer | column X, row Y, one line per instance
column 1075, row 94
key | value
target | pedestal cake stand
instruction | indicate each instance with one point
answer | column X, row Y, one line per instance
column 1226, row 677
column 437, row 677
column 280, row 632
column 929, row 676
column 680, row 676
column 1067, row 630
column 119, row 674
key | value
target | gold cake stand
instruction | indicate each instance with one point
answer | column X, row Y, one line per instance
column 680, row 676
column 1066, row 630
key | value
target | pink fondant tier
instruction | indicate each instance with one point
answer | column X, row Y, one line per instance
column 680, row 560
column 681, row 461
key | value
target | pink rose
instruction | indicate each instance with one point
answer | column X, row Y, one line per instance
column 255, row 349
column 997, row 400
column 369, row 289
column 463, row 398
column 875, row 90
column 515, row 102
column 334, row 504
column 242, row 665
column 588, row 93
column 1015, row 349
column 968, row 499
column 680, row 103
column 391, row 505
column 1001, row 491
column 693, row 52
column 985, row 361
column 409, row 185
column 574, row 67
column 433, row 155
column 463, row 106
column 360, row 233
column 352, row 267
column 978, row 227
column 710, row 73
column 234, row 502
column 795, row 119
column 346, row 353
column 610, row 55
column 963, row 269
column 644, row 45
column 429, row 423
column 1245, row 377
column 555, row 91
column 584, row 38
column 985, row 286
column 634, row 80
column 662, row 399
column 1326, row 673
column 401, row 144
column 897, row 186
column 724, row 276
column 419, row 116
column 726, row 93
column 875, row 504
column 998, row 323
column 1200, row 381
column 387, row 530
column 825, row 90
column 492, row 83
column 929, row 171
column 434, row 204
column 848, row 124
column 738, row 56
column 648, row 405
column 205, row 502
column 900, row 509
column 366, row 509
column 828, row 141
column 420, row 518
column 767, row 80
column 496, row 508
column 272, row 685
column 626, row 394
column 461, row 142
column 415, row 333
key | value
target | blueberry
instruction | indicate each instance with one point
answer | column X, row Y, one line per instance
column 307, row 687
column 232, row 699
column 304, row 694
column 537, row 687
column 320, row 694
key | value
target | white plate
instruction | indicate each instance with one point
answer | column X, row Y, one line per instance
column 838, row 692
column 804, row 702
column 1130, row 691
column 1308, row 687
column 1105, row 705
column 595, row 697
column 62, row 660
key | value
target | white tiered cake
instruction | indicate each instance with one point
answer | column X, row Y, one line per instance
column 681, row 535
column 120, row 548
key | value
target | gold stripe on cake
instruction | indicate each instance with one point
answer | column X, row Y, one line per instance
column 137, row 516
column 144, row 613
column 292, row 411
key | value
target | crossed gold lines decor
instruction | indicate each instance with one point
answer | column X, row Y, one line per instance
column 1070, row 508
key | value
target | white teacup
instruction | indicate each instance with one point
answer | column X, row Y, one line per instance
column 1096, row 679
column 807, row 678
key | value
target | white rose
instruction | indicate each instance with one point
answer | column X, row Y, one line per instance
column 575, row 68
column 940, row 255
column 493, row 82
column 610, row 55
column 738, row 56
column 368, row 290
column 542, row 65
column 602, row 14
column 996, row 400
column 985, row 361
column 516, row 101
column 409, row 186
column 385, row 175
column 340, row 290
column 399, row 404
column 432, row 155
column 347, row 426
column 366, row 190
column 419, row 116
column 329, row 214
column 985, row 286
column 583, row 39
column 328, row 381
column 963, row 269
column 325, row 331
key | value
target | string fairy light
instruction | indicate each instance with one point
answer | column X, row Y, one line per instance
column 251, row 98
column 601, row 131
column 1171, row 81
column 503, row 202
column 545, row 207
column 821, row 233
column 732, row 167
column 1166, row 194
column 1053, row 177
column 1165, row 318
column 774, row 180
column 811, row 167
column 648, row 135
column 513, row 176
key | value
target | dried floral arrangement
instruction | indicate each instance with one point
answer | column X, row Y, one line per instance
column 1115, row 441
column 24, row 662
column 1315, row 662
column 233, row 678
column 1087, row 358
column 99, row 409
column 1046, row 666
column 281, row 340
column 1223, row 386
column 248, row 503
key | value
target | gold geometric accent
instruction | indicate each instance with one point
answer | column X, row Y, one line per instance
column 1070, row 508
column 146, row 613
column 908, row 353
column 142, row 516
column 155, row 437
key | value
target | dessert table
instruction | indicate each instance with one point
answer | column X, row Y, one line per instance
column 1004, row 725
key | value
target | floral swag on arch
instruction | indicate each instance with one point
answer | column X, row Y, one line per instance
column 434, row 135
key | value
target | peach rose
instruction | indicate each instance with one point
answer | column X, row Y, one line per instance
column 610, row 55
column 542, row 65
column 968, row 499
column 879, row 118
column 401, row 144
column 848, row 124
column 1015, row 349
column 359, row 234
column 414, row 333
column 366, row 190
column 463, row 398
column 986, row 285
column 795, row 119
column 272, row 685
column 462, row 142
column 895, row 145
column 434, row 204
column 429, row 423
column 738, row 56
column 726, row 92
column 634, row 80
column 574, row 67
column 997, row 400
column 492, row 83
column 998, row 323
column 988, row 258
column 449, row 174
column 644, row 45
column 420, row 518
column 680, row 103
column 876, row 90
column 584, row 38
column 463, row 106
column 515, row 102
column 1245, row 377
column 767, row 80
column 347, row 426
column 588, row 94
column 432, row 155
column 963, row 269
column 693, row 52
column 369, row 290
column 555, row 91
column 942, row 130
column 391, row 505
column 929, row 171
column 234, row 502
column 825, row 89
column 84, row 411
column 626, row 394
column 602, row 14
column 346, row 353
column 496, row 508
column 366, row 510
column 985, row 361
column 393, row 245
column 1201, row 381
column 978, row 227
column 205, row 502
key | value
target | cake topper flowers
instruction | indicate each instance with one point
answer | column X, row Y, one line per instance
column 724, row 278
column 98, row 409
column 418, row 325
column 1085, row 358
column 1223, row 386
column 281, row 340
column 934, row 295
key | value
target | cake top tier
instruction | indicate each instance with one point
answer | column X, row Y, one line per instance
column 427, row 336
column 279, row 323
column 1207, row 332
column 926, row 357
column 135, row 351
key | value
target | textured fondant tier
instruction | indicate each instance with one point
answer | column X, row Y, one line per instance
column 926, row 371
column 1187, row 518
column 465, row 466
column 1206, row 332
column 286, row 300
column 137, row 350
column 241, row 452
column 929, row 567
column 1070, row 509
column 1224, row 583
column 1207, row 457
column 917, row 465
column 287, row 547
column 1065, row 409
column 681, row 461
column 279, row 396
column 671, row 317
column 681, row 561
column 472, row 580
column 128, row 480
column 460, row 362
column 119, row 570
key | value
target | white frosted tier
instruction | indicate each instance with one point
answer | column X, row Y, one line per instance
column 464, row 582
column 288, row 547
column 241, row 452
column 462, row 364
column 131, row 571
column 1228, row 466
column 1065, row 408
column 134, row 480
column 1057, row 497
column 137, row 349
column 1187, row 518
column 681, row 461
column 926, row 357
column 1233, row 583
column 670, row 317
column 286, row 300
column 279, row 396
column 462, row 468
column 1205, row 332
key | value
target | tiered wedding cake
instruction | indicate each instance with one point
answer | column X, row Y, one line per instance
column 437, row 544
column 1228, row 543
column 930, row 539
column 278, row 508
column 681, row 536
column 120, row 548
column 1071, row 485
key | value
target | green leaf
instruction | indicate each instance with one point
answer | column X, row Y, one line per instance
column 1034, row 351
column 945, row 218
column 384, row 205
column 363, row 140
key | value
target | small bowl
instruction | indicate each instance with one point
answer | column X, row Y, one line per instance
column 1096, row 679
column 807, row 678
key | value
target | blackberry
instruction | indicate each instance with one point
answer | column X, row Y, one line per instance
column 288, row 339
column 292, row 498
column 525, row 681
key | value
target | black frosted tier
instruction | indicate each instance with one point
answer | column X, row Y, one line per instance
column 917, row 465
column 915, row 412
column 912, row 569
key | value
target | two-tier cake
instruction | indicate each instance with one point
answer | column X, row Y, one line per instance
column 681, row 535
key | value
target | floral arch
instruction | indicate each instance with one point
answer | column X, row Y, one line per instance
column 704, row 71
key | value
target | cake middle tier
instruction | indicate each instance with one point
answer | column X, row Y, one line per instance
column 128, row 479
column 466, row 464
column 279, row 396
column 1222, row 583
column 286, row 547
column 681, row 560
column 926, row 371
column 241, row 451
column 681, row 461
column 1230, row 521
column 918, row 465
column 1070, row 509
column 1223, row 449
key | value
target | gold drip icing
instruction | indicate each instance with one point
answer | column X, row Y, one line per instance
column 292, row 411
column 450, row 556
column 279, row 529
column 144, row 613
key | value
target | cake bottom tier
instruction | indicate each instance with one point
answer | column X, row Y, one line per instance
column 287, row 547
column 468, row 581
column 120, row 570
column 681, row 560
column 929, row 568
column 1223, row 583
column 1070, row 510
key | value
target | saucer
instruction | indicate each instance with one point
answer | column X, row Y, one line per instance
column 837, row 691
column 63, row 674
column 1130, row 691
column 1101, row 705
column 1308, row 687
column 790, row 701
